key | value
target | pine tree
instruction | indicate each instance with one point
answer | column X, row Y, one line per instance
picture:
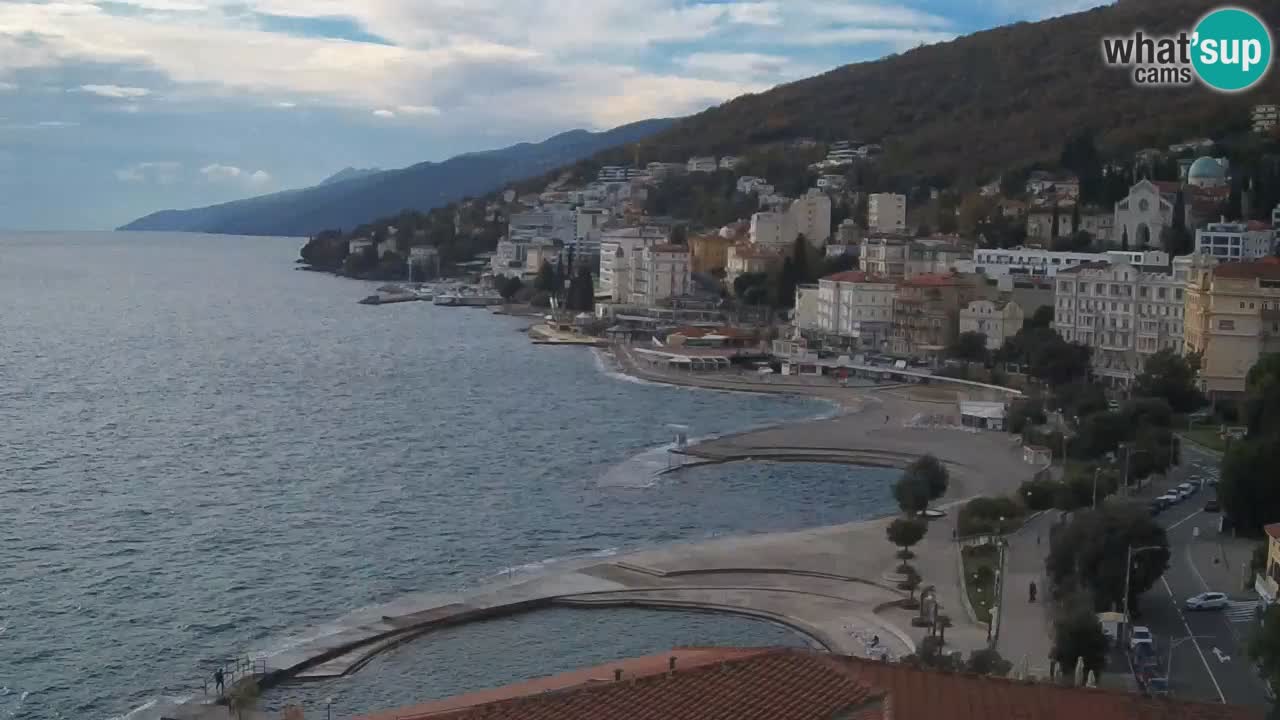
column 1053, row 229
column 1124, row 239
column 1075, row 218
column 800, row 259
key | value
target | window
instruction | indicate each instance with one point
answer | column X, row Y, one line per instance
column 1162, row 293
column 1226, row 324
column 1177, row 294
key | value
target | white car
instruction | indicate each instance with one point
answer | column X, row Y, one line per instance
column 1170, row 498
column 1140, row 635
column 1188, row 488
column 1207, row 601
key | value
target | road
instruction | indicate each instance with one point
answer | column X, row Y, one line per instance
column 1214, row 665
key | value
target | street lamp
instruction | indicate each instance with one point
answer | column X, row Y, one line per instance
column 1128, row 570
column 1168, row 668
column 328, row 708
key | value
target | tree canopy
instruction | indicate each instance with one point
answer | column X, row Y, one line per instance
column 1250, row 496
column 1089, row 553
column 969, row 346
column 1171, row 377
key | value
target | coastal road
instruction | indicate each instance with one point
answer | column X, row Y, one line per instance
column 1214, row 665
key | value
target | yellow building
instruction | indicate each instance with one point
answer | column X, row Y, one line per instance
column 1232, row 318
column 1268, row 582
column 710, row 252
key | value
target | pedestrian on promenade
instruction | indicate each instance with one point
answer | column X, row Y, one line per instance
column 219, row 680
column 1033, row 591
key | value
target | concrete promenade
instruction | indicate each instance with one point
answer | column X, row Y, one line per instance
column 1026, row 628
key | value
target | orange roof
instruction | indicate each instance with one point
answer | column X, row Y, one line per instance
column 855, row 276
column 1267, row 269
column 669, row 248
column 1167, row 187
column 795, row 684
column 932, row 280
column 1273, row 530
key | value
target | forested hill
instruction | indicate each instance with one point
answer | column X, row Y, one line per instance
column 354, row 197
column 973, row 107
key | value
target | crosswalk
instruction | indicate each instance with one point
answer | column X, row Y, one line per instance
column 1243, row 611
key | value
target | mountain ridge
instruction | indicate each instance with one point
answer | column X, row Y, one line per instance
column 352, row 196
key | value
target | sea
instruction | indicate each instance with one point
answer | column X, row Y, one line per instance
column 205, row 450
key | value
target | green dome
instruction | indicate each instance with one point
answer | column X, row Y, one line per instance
column 1206, row 169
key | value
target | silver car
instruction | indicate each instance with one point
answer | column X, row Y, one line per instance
column 1207, row 601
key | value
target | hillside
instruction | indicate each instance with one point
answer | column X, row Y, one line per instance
column 968, row 109
column 353, row 196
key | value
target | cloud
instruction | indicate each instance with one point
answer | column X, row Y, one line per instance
column 7, row 86
column 384, row 113
column 218, row 173
column 115, row 91
column 162, row 172
column 57, row 124
column 417, row 110
column 285, row 105
column 752, row 66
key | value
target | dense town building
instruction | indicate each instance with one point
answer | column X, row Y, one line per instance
column 1232, row 319
column 886, row 213
column 997, row 320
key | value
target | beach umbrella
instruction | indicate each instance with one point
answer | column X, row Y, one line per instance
column 1092, row 681
column 1079, row 678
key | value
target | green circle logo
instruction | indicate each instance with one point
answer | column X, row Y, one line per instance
column 1231, row 49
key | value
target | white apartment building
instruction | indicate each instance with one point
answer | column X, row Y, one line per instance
column 589, row 224
column 772, row 229
column 886, row 212
column 1028, row 261
column 841, row 153
column 508, row 259
column 729, row 162
column 558, row 224
column 811, row 217
column 1123, row 313
column 703, row 164
column 1275, row 218
column 1265, row 118
column 613, row 173
column 832, row 183
column 884, row 257
column 857, row 307
column 805, row 316
column 659, row 272
column 661, row 170
column 1233, row 242
column 617, row 246
column 748, row 184
column 998, row 320
column 358, row 245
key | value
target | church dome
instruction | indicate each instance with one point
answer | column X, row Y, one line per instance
column 1207, row 172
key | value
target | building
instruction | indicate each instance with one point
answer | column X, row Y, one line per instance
column 744, row 258
column 1124, row 312
column 589, row 224
column 832, row 183
column 1231, row 242
column 1040, row 224
column 613, row 173
column 748, row 184
column 709, row 252
column 1030, row 262
column 729, row 162
column 1265, row 118
column 886, row 213
column 1275, row 218
column 537, row 253
column 772, row 229
column 998, row 320
column 703, row 164
column 558, row 224
column 811, row 217
column 1267, row 583
column 1141, row 217
column 424, row 260
column 358, row 245
column 659, row 272
column 1232, row 318
column 617, row 246
column 805, row 316
column 508, row 259
column 841, row 153
column 884, row 255
column 1207, row 172
column 1100, row 226
column 926, row 313
column 659, row 171
column 856, row 309
column 797, row 684
column 848, row 233
column 935, row 255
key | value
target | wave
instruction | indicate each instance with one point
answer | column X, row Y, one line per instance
column 539, row 566
column 609, row 367
column 154, row 708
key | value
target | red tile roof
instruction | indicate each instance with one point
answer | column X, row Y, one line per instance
column 855, row 276
column 1267, row 269
column 1167, row 187
column 1273, row 530
column 932, row 280
column 793, row 684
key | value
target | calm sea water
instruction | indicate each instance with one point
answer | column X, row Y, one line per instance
column 204, row 449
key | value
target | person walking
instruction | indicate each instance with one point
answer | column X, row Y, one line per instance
column 219, row 680
column 1033, row 591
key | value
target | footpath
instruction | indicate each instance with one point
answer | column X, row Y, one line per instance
column 1026, row 628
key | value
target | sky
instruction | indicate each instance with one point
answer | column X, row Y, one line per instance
column 112, row 109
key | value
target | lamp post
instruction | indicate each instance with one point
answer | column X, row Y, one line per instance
column 328, row 708
column 1128, row 570
column 1168, row 668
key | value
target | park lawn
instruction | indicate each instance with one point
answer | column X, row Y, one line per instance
column 981, row 585
column 1208, row 437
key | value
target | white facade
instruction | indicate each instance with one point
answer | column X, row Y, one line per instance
column 508, row 258
column 1123, row 313
column 832, row 182
column 886, row 212
column 1265, row 117
column 613, row 173
column 617, row 247
column 748, row 184
column 1231, row 242
column 856, row 306
column 659, row 272
column 1275, row 218
column 660, row 170
column 1142, row 216
column 729, row 162
column 997, row 320
column 1028, row 261
column 589, row 224
column 552, row 224
column 772, row 229
column 811, row 217
column 705, row 164
column 806, row 312
column 358, row 245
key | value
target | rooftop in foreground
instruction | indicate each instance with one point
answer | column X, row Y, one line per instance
column 793, row 684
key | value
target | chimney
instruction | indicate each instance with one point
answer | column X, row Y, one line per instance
column 671, row 663
column 617, row 675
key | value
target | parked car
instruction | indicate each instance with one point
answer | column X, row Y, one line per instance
column 1212, row 506
column 1140, row 636
column 1188, row 488
column 1156, row 507
column 1170, row 498
column 1182, row 493
column 1207, row 601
